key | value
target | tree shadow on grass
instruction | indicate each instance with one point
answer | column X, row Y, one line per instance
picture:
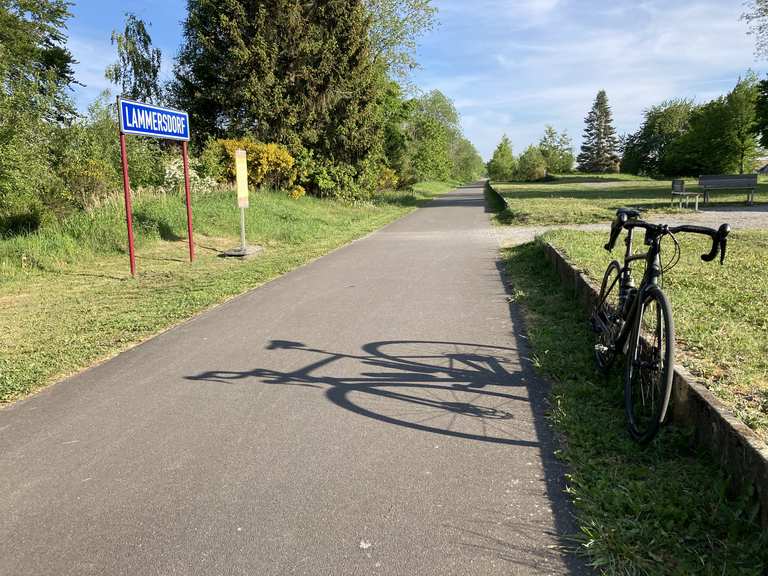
column 152, row 223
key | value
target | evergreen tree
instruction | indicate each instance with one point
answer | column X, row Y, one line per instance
column 557, row 151
column 502, row 165
column 137, row 69
column 531, row 165
column 285, row 71
column 600, row 144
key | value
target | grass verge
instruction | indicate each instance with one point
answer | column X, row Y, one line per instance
column 68, row 301
column 595, row 198
column 721, row 320
column 658, row 510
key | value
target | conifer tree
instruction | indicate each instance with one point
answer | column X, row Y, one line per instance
column 599, row 149
column 557, row 151
column 286, row 71
column 502, row 165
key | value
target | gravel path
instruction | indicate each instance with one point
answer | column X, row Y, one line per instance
column 739, row 217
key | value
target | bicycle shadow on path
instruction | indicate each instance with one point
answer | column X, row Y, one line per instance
column 476, row 392
column 441, row 392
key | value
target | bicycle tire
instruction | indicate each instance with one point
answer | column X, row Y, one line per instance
column 605, row 318
column 650, row 366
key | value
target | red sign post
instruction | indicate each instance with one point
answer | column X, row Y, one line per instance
column 158, row 122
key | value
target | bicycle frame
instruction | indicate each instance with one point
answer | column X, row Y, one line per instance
column 650, row 278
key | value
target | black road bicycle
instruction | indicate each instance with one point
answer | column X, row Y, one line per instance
column 637, row 321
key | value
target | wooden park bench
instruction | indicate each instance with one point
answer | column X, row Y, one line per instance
column 679, row 191
column 746, row 182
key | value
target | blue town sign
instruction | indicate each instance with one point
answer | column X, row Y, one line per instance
column 149, row 120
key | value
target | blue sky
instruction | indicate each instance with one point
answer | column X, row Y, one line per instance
column 512, row 66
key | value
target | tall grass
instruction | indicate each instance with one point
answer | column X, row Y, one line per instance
column 272, row 217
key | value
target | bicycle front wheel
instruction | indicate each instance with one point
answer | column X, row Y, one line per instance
column 649, row 368
column 606, row 318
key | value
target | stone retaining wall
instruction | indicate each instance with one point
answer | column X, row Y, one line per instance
column 738, row 450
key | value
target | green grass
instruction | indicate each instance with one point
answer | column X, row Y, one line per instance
column 720, row 313
column 655, row 510
column 67, row 299
column 587, row 199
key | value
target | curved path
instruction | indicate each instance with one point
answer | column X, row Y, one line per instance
column 369, row 413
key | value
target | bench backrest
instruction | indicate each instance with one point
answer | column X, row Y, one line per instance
column 678, row 186
column 729, row 181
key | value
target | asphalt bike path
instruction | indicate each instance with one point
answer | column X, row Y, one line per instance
column 373, row 412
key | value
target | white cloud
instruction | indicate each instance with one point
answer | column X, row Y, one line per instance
column 543, row 62
column 93, row 57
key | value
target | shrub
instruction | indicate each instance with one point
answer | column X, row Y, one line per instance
column 297, row 192
column 88, row 158
column 174, row 177
column 531, row 165
column 268, row 164
column 213, row 161
column 388, row 179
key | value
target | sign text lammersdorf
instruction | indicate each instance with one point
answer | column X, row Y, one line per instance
column 148, row 120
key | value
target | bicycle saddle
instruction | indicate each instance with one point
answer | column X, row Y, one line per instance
column 628, row 212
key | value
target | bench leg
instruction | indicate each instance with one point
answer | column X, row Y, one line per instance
column 697, row 203
column 706, row 196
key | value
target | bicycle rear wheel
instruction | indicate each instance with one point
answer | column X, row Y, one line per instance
column 606, row 320
column 649, row 368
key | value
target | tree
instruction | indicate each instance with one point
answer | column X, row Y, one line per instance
column 35, row 71
column 467, row 163
column 600, row 145
column 557, row 151
column 757, row 18
column 644, row 152
column 284, row 71
column 742, row 121
column 721, row 135
column 34, row 55
column 396, row 26
column 531, row 165
column 432, row 129
column 395, row 112
column 705, row 147
column 761, row 112
column 137, row 69
column 502, row 165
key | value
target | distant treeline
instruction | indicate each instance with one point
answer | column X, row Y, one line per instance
column 681, row 138
column 677, row 138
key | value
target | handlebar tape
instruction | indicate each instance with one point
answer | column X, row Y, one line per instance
column 718, row 244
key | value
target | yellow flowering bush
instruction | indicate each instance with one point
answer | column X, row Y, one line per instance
column 297, row 192
column 268, row 164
